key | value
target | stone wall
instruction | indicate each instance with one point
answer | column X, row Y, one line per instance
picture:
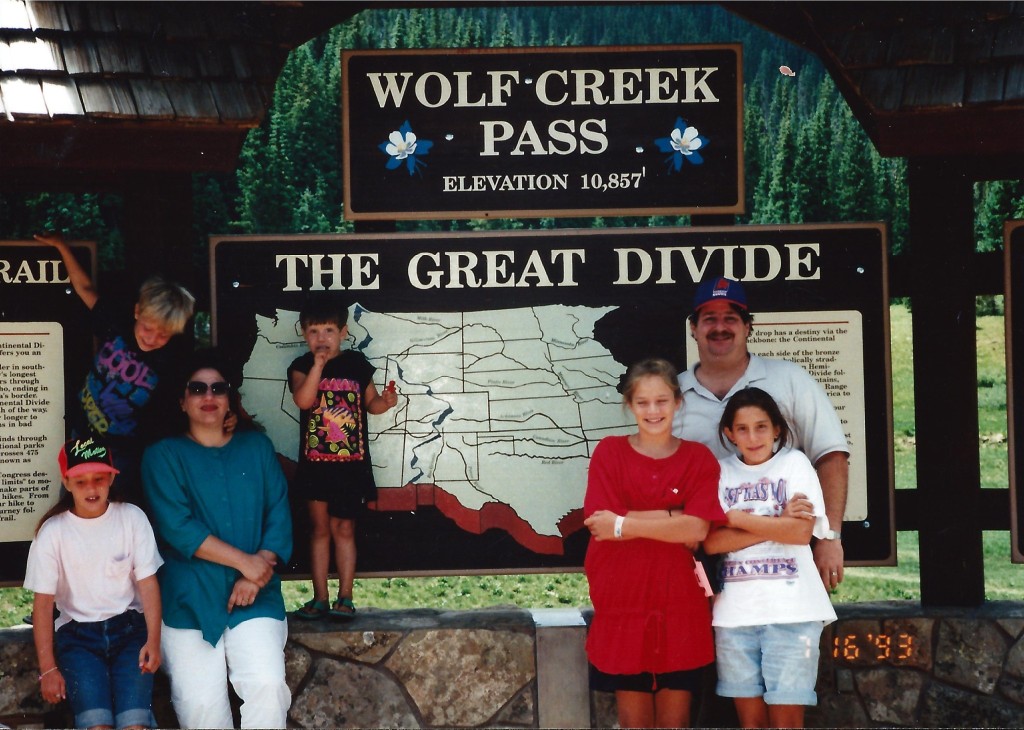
column 894, row 664
column 965, row 669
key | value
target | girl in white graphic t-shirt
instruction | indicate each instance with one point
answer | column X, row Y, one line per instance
column 769, row 616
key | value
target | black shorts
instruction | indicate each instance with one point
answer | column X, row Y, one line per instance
column 687, row 680
column 343, row 500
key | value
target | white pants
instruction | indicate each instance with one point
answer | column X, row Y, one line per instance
column 251, row 656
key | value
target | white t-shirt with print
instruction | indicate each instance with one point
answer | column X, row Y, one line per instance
column 771, row 582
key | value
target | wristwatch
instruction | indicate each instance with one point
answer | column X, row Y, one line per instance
column 832, row 535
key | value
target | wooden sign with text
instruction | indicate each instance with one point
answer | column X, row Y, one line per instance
column 506, row 350
column 45, row 350
column 532, row 132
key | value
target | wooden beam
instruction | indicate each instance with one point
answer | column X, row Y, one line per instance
column 109, row 146
column 157, row 228
column 993, row 508
column 945, row 383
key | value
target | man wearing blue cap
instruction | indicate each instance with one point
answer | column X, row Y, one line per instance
column 720, row 324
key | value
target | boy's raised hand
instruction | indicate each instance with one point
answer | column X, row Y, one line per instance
column 80, row 280
column 50, row 239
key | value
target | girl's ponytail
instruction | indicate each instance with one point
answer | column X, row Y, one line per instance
column 64, row 504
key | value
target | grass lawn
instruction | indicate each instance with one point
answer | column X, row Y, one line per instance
column 1003, row 580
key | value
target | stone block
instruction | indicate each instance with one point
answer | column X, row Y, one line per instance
column 1012, row 688
column 562, row 677
column 19, row 672
column 1015, row 659
column 368, row 647
column 952, row 707
column 297, row 662
column 1013, row 626
column 520, row 711
column 970, row 654
column 848, row 646
column 891, row 696
column 604, row 712
column 845, row 682
column 910, row 642
column 837, row 710
column 349, row 694
column 463, row 678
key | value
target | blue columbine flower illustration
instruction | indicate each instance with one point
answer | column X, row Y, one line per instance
column 403, row 146
column 682, row 144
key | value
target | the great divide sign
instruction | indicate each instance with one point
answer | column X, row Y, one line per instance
column 528, row 132
column 45, row 350
column 1013, row 252
column 506, row 350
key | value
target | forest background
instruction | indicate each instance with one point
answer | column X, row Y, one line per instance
column 806, row 160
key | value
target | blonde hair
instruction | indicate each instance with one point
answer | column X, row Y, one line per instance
column 653, row 366
column 166, row 302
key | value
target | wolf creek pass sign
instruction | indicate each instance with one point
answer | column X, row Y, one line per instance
column 506, row 350
column 527, row 132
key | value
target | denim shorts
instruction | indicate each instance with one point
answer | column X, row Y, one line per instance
column 777, row 661
column 100, row 664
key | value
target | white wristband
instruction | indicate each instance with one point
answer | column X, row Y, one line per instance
column 617, row 530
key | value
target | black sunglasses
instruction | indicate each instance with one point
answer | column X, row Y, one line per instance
column 198, row 387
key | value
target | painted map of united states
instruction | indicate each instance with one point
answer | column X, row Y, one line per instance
column 498, row 411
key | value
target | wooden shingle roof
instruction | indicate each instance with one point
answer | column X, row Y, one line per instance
column 143, row 76
column 923, row 78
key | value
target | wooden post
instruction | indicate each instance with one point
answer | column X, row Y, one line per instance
column 158, row 235
column 945, row 383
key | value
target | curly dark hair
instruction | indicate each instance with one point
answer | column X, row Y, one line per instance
column 211, row 358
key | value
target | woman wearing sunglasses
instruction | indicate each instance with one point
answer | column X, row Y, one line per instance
column 219, row 503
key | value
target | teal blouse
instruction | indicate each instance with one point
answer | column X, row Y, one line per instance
column 237, row 493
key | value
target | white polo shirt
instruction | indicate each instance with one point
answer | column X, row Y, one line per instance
column 815, row 426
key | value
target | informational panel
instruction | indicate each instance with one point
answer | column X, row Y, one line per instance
column 45, row 350
column 828, row 345
column 1013, row 249
column 506, row 350
column 32, row 425
column 530, row 132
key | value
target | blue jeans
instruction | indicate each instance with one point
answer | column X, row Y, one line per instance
column 100, row 664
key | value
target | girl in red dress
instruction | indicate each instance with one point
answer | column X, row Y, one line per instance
column 651, row 498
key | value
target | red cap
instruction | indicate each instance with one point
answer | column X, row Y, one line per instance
column 85, row 456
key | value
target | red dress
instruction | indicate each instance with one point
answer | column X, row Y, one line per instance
column 650, row 614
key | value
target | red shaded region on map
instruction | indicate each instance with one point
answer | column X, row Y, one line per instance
column 491, row 516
